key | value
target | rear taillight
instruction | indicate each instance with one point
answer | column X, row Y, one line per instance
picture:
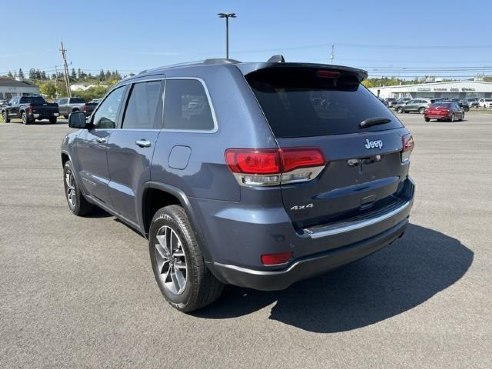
column 408, row 145
column 29, row 109
column 271, row 167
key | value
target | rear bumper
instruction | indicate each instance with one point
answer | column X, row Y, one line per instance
column 306, row 267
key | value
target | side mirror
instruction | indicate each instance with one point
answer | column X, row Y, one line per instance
column 77, row 120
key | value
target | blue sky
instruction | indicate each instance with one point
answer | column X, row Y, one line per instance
column 399, row 38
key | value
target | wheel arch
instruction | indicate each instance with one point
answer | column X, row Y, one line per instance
column 156, row 195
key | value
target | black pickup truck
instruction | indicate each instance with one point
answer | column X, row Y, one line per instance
column 29, row 109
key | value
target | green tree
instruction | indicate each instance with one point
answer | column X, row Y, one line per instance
column 21, row 74
column 48, row 89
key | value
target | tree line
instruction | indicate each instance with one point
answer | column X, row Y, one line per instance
column 53, row 85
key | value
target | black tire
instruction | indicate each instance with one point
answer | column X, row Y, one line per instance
column 177, row 262
column 6, row 118
column 421, row 110
column 75, row 199
column 399, row 110
column 453, row 118
column 24, row 118
column 65, row 116
column 53, row 120
column 462, row 117
column 427, row 119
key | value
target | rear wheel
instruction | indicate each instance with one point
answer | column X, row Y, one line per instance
column 427, row 119
column 6, row 118
column 177, row 262
column 399, row 110
column 53, row 120
column 421, row 110
column 75, row 199
column 24, row 118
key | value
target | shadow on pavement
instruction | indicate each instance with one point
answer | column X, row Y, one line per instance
column 395, row 279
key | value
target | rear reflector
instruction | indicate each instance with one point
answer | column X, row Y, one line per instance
column 270, row 167
column 276, row 259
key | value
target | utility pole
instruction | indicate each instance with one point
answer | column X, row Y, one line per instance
column 332, row 56
column 65, row 66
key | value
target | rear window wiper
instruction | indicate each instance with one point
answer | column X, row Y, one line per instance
column 369, row 122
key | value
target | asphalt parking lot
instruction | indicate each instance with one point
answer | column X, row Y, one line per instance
column 79, row 292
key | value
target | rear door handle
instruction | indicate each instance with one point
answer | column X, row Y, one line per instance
column 101, row 140
column 143, row 143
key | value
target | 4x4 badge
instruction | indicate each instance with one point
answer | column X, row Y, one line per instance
column 374, row 144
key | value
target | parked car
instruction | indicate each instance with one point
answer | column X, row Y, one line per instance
column 473, row 102
column 396, row 104
column 390, row 101
column 485, row 103
column 89, row 107
column 258, row 185
column 30, row 109
column 450, row 111
column 68, row 105
column 414, row 106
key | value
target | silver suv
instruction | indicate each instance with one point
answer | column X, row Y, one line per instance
column 414, row 106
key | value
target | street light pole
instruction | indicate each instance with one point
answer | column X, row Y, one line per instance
column 227, row 16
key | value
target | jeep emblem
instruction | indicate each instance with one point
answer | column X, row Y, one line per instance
column 374, row 144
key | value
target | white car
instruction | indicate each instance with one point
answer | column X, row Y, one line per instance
column 485, row 103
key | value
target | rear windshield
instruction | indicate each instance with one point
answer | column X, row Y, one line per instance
column 441, row 104
column 37, row 100
column 302, row 102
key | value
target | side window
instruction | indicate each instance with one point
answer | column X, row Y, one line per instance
column 62, row 101
column 186, row 106
column 142, row 105
column 105, row 116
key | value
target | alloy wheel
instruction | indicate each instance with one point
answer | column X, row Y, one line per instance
column 70, row 189
column 171, row 260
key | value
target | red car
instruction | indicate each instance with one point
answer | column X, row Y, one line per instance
column 450, row 111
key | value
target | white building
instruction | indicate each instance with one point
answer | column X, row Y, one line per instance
column 455, row 89
column 10, row 87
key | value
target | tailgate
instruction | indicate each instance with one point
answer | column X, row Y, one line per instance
column 322, row 107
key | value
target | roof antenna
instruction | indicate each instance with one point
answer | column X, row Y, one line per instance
column 276, row 59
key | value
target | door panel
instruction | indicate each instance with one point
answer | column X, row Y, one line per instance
column 93, row 162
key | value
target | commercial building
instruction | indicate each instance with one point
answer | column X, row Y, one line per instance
column 454, row 89
column 11, row 87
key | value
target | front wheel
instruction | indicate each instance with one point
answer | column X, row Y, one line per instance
column 53, row 120
column 427, row 119
column 75, row 199
column 453, row 118
column 421, row 110
column 399, row 110
column 177, row 262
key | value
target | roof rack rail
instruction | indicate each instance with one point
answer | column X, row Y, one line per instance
column 220, row 61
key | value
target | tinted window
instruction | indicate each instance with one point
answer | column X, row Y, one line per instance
column 105, row 116
column 300, row 102
column 77, row 100
column 186, row 106
column 37, row 100
column 62, row 101
column 142, row 105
